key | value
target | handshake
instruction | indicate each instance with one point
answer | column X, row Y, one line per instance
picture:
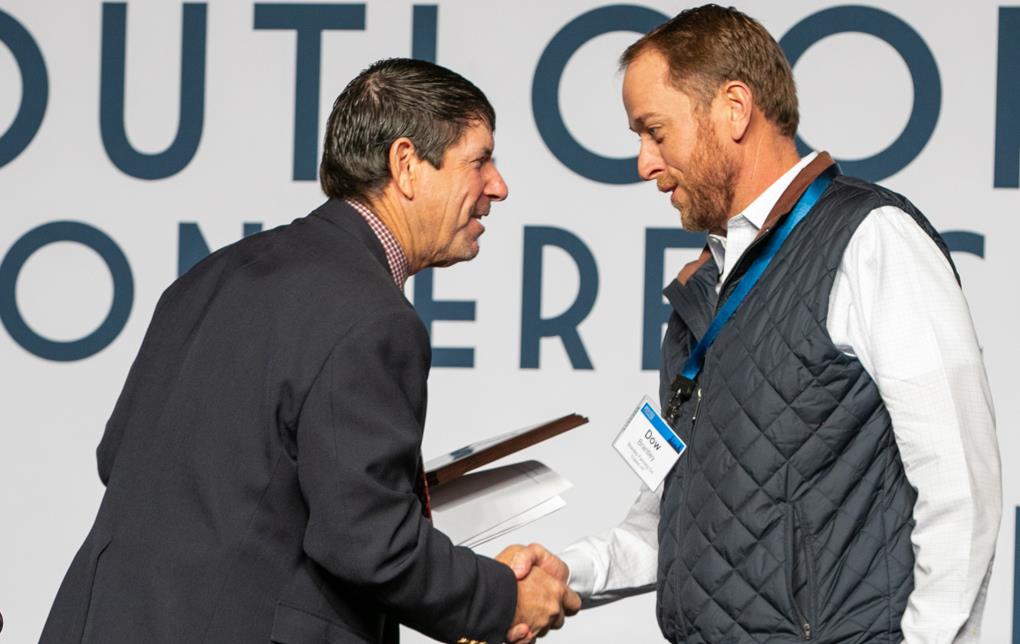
column 543, row 599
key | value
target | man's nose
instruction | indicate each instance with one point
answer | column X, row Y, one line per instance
column 649, row 162
column 496, row 188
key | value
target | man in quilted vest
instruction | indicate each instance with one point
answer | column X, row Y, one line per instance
column 841, row 481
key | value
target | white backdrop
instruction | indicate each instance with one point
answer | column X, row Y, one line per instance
column 856, row 92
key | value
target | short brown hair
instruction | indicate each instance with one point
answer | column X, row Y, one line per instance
column 709, row 45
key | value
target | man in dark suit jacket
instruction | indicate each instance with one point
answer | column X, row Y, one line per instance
column 263, row 465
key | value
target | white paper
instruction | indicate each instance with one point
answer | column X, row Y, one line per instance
column 483, row 505
column 534, row 514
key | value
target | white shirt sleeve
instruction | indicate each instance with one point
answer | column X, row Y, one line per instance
column 621, row 561
column 895, row 304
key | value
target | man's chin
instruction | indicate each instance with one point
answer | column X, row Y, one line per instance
column 687, row 222
column 465, row 255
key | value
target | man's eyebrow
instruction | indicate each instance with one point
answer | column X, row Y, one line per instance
column 638, row 123
column 647, row 116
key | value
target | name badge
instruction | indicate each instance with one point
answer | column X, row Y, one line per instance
column 648, row 444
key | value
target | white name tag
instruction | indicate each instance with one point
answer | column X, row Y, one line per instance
column 649, row 445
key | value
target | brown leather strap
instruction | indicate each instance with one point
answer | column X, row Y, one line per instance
column 690, row 269
column 796, row 188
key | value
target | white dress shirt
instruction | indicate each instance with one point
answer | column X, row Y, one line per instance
column 896, row 306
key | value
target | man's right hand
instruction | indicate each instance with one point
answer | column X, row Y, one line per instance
column 549, row 573
column 543, row 602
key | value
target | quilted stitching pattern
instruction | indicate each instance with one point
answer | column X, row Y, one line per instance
column 791, row 497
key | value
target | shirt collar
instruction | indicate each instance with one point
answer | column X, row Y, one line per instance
column 395, row 257
column 758, row 210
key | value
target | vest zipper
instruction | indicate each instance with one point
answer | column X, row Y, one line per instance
column 686, row 492
column 690, row 447
column 697, row 408
column 812, row 592
column 792, row 550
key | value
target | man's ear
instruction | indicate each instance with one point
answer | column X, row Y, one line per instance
column 738, row 105
column 403, row 166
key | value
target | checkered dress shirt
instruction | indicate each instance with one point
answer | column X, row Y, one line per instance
column 395, row 256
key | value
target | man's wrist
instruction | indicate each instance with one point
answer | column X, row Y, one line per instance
column 582, row 571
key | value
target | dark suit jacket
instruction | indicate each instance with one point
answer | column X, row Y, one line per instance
column 262, row 458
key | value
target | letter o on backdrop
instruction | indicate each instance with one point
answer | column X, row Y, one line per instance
column 34, row 88
column 123, row 291
column 924, row 73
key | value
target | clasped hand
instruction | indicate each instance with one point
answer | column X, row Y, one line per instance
column 543, row 599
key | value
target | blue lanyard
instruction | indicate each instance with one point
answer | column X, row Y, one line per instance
column 683, row 384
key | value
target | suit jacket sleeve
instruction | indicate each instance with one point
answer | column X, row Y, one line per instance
column 359, row 441
column 146, row 370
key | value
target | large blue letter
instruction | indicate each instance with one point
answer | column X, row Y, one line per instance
column 431, row 310
column 545, row 89
column 123, row 290
column 1007, row 101
column 192, row 101
column 965, row 241
column 923, row 71
column 424, row 28
column 191, row 245
column 35, row 88
column 309, row 21
column 533, row 326
column 657, row 240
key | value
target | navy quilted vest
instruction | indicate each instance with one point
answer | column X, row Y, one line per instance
column 789, row 516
